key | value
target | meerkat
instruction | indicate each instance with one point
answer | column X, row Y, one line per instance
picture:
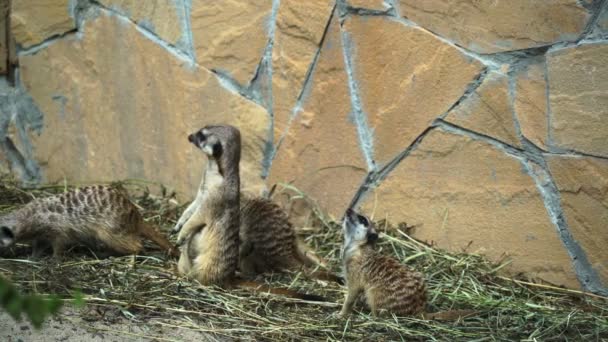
column 209, row 236
column 387, row 285
column 269, row 242
column 100, row 217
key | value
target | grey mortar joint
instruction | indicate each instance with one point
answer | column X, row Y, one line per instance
column 18, row 108
column 512, row 94
column 586, row 274
column 265, row 72
column 528, row 155
column 469, row 91
column 595, row 8
column 364, row 132
column 180, row 53
column 307, row 84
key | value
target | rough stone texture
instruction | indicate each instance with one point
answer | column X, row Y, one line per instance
column 488, row 110
column 368, row 4
column 407, row 77
column 531, row 103
column 583, row 186
column 3, row 42
column 33, row 21
column 122, row 114
column 464, row 194
column 300, row 28
column 163, row 17
column 578, row 80
column 602, row 23
column 488, row 26
column 230, row 35
column 320, row 154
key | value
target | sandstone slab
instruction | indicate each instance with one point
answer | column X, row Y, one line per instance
column 489, row 26
column 378, row 5
column 122, row 114
column 33, row 21
column 578, row 83
column 299, row 30
column 407, row 77
column 583, row 186
column 320, row 154
column 531, row 103
column 466, row 195
column 488, row 110
column 230, row 35
column 165, row 18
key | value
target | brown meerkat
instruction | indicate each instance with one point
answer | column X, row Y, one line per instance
column 100, row 217
column 387, row 285
column 269, row 242
column 209, row 229
column 209, row 237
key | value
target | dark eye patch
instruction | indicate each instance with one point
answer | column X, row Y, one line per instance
column 217, row 150
column 5, row 232
column 363, row 220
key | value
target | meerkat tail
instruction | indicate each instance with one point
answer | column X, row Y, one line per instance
column 326, row 276
column 151, row 233
column 451, row 315
column 257, row 287
column 308, row 257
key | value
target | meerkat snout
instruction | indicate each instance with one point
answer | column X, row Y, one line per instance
column 357, row 228
column 196, row 138
column 7, row 237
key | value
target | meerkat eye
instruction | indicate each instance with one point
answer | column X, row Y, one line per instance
column 6, row 232
column 363, row 220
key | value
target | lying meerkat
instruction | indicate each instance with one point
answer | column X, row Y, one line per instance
column 209, row 237
column 386, row 284
column 100, row 217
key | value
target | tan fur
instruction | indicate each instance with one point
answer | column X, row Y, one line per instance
column 208, row 231
column 209, row 227
column 387, row 285
column 100, row 217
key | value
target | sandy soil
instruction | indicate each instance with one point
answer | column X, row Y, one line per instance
column 79, row 325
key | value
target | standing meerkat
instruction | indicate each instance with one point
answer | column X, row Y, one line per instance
column 386, row 284
column 268, row 241
column 209, row 236
column 101, row 217
column 209, row 228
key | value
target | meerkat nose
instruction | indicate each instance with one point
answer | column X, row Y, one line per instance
column 191, row 138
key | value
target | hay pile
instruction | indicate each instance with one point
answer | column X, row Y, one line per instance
column 146, row 290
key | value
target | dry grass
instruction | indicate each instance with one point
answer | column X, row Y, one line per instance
column 145, row 289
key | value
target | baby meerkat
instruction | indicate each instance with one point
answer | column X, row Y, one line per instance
column 100, row 217
column 387, row 285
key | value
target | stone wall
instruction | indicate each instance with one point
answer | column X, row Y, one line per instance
column 482, row 124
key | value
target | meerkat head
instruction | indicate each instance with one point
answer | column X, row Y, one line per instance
column 8, row 226
column 221, row 143
column 358, row 229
